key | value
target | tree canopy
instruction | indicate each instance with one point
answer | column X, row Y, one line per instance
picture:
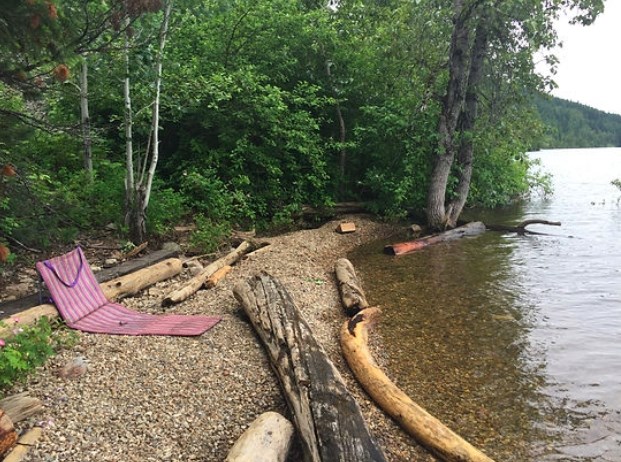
column 254, row 109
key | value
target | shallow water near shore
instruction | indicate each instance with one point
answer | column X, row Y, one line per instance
column 514, row 341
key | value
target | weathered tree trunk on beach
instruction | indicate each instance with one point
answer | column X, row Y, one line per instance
column 352, row 295
column 129, row 284
column 133, row 283
column 20, row 406
column 194, row 284
column 267, row 439
column 415, row 420
column 470, row 229
column 327, row 417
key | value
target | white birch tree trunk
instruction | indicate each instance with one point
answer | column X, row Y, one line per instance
column 85, row 120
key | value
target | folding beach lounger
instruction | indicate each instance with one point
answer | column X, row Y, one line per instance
column 83, row 305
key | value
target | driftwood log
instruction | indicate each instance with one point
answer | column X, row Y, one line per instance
column 133, row 283
column 24, row 443
column 267, row 439
column 352, row 295
column 20, row 406
column 328, row 419
column 521, row 228
column 12, row 307
column 470, row 229
column 8, row 435
column 415, row 420
column 129, row 284
column 194, row 284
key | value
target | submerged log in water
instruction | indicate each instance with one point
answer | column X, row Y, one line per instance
column 470, row 229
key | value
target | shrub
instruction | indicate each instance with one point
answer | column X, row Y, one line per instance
column 29, row 348
column 209, row 235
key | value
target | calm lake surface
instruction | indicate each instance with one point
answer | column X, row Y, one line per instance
column 515, row 342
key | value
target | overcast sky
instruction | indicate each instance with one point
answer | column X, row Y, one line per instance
column 590, row 62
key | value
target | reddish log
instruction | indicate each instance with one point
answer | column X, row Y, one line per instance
column 471, row 229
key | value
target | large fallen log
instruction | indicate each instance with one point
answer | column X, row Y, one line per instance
column 415, row 420
column 12, row 307
column 200, row 279
column 327, row 417
column 267, row 439
column 129, row 284
column 470, row 229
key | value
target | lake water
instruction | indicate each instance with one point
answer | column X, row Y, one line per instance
column 515, row 341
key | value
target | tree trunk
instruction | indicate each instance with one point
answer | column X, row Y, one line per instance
column 451, row 107
column 138, row 191
column 415, row 420
column 268, row 439
column 466, row 124
column 328, row 419
column 85, row 120
column 155, row 127
column 470, row 229
column 131, row 217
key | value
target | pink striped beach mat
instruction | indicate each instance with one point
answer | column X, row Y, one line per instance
column 83, row 305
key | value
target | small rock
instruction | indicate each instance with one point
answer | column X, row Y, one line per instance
column 74, row 368
column 171, row 246
column 109, row 262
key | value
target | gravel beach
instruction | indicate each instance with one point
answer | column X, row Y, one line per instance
column 189, row 399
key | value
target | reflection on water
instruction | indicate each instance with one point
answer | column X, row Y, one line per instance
column 514, row 341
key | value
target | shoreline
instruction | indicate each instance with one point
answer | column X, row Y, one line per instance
column 183, row 399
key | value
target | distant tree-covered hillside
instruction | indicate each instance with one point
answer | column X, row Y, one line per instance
column 574, row 125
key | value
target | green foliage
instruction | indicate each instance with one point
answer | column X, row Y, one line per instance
column 252, row 153
column 209, row 236
column 29, row 348
column 502, row 170
column 574, row 125
column 166, row 210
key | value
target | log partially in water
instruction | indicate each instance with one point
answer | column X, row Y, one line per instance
column 470, row 229
column 521, row 228
column 352, row 295
column 327, row 417
column 415, row 420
